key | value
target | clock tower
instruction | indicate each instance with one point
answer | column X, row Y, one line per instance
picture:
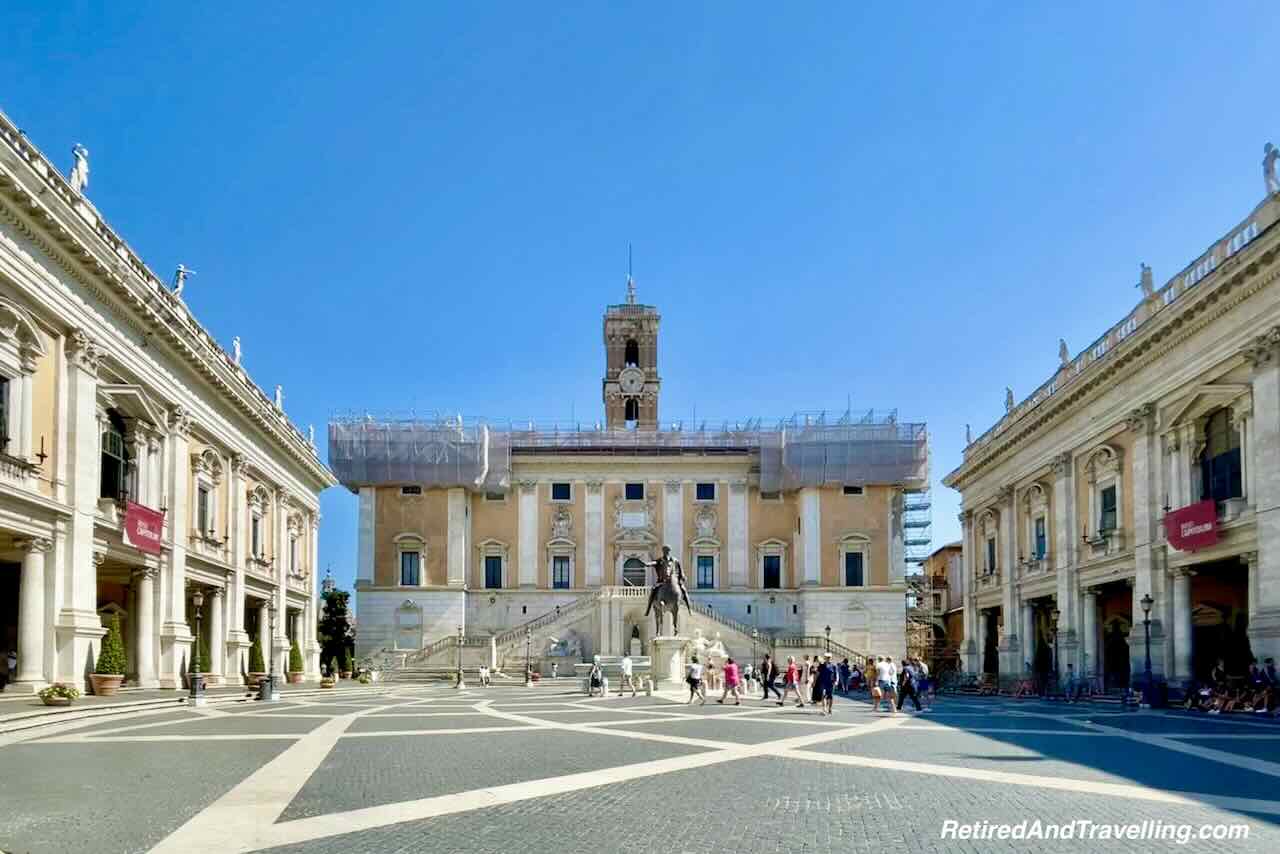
column 631, row 380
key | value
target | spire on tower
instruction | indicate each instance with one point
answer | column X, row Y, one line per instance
column 631, row 282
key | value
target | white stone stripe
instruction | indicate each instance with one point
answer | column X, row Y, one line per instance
column 1120, row 790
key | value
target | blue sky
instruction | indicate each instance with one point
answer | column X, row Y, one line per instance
column 428, row 205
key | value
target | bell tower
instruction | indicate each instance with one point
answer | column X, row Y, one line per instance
column 631, row 381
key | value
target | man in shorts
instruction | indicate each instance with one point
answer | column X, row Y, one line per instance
column 886, row 679
column 626, row 680
column 826, row 681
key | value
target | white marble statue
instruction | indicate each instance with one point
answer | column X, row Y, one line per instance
column 180, row 276
column 235, row 349
column 280, row 398
column 1064, row 353
column 311, row 434
column 1008, row 399
column 1146, row 282
column 1270, row 154
column 80, row 168
column 968, row 435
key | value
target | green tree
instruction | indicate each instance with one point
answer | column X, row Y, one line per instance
column 256, row 664
column 334, row 631
column 333, row 667
column 295, row 658
column 111, row 656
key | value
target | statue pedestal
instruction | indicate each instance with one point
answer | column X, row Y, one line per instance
column 668, row 660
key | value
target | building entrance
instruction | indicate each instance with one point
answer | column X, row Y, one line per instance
column 1220, row 618
column 9, row 575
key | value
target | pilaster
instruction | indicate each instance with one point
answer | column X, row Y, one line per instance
column 527, row 526
column 175, row 635
column 738, row 533
column 1264, row 626
column 457, row 550
column 811, row 535
column 594, row 504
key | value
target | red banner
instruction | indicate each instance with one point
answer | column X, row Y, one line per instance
column 143, row 527
column 1192, row 527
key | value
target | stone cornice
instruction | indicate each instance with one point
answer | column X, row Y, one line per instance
column 72, row 233
column 1235, row 280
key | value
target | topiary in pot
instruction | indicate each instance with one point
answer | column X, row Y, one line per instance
column 257, row 668
column 295, row 664
column 109, row 672
column 333, row 667
column 346, row 664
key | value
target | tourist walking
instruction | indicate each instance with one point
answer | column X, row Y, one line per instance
column 886, row 677
column 804, row 682
column 825, row 684
column 595, row 679
column 791, row 683
column 731, row 679
column 627, row 679
column 693, row 676
column 769, row 677
column 924, row 683
column 907, row 686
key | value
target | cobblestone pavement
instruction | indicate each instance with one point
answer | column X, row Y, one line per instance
column 512, row 769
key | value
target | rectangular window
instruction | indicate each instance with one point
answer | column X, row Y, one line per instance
column 772, row 572
column 493, row 572
column 203, row 521
column 635, row 492
column 4, row 414
column 1107, row 519
column 853, row 569
column 411, row 490
column 293, row 554
column 706, row 572
column 561, row 492
column 255, row 535
column 1220, row 473
column 1042, row 541
column 560, row 572
column 705, row 492
column 495, row 496
column 113, row 460
column 410, row 568
column 770, row 496
column 991, row 554
column 853, row 490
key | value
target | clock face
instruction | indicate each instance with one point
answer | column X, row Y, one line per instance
column 631, row 380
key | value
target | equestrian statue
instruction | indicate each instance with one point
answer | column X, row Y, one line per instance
column 668, row 592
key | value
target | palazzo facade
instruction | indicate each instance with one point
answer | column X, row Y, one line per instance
column 1144, row 474
column 139, row 463
column 486, row 529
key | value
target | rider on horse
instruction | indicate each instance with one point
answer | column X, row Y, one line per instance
column 667, row 569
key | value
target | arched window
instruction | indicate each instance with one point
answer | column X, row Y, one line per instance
column 1220, row 459
column 632, row 356
column 115, row 459
column 631, row 410
column 634, row 573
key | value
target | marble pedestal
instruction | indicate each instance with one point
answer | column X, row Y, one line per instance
column 668, row 660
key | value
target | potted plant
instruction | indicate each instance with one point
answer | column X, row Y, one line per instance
column 257, row 669
column 346, row 664
column 58, row 694
column 295, row 664
column 109, row 672
column 329, row 680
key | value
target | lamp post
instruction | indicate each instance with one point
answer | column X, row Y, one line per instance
column 268, row 690
column 458, row 682
column 197, row 684
column 1146, row 603
column 1053, row 622
column 755, row 637
column 827, row 632
column 528, row 650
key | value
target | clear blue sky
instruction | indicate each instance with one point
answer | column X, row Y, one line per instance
column 428, row 205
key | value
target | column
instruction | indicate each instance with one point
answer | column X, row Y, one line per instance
column 1066, row 596
column 970, row 645
column 1010, row 660
column 264, row 633
column 280, row 642
column 311, row 649
column 217, row 633
column 673, row 519
column 456, row 558
column 175, row 635
column 144, row 580
column 1148, row 576
column 365, row 536
column 31, row 616
column 1182, row 625
column 237, row 639
column 988, row 626
column 595, row 533
column 77, row 622
column 1264, row 626
column 131, row 635
column 811, row 535
column 527, row 525
column 1089, row 628
column 738, row 534
column 1028, row 635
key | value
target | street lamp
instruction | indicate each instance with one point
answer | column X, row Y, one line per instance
column 458, row 683
column 1146, row 603
column 197, row 684
column 267, row 688
column 1053, row 623
column 528, row 650
column 755, row 636
column 827, row 632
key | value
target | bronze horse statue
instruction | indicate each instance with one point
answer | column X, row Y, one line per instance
column 666, row 598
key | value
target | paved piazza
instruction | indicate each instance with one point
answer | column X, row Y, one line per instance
column 510, row 769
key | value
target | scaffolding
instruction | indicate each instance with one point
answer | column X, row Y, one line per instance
column 924, row 619
column 805, row 449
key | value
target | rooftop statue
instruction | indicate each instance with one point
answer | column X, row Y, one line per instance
column 1008, row 399
column 235, row 349
column 80, row 168
column 1145, row 282
column 180, row 279
column 1270, row 154
column 1064, row 354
